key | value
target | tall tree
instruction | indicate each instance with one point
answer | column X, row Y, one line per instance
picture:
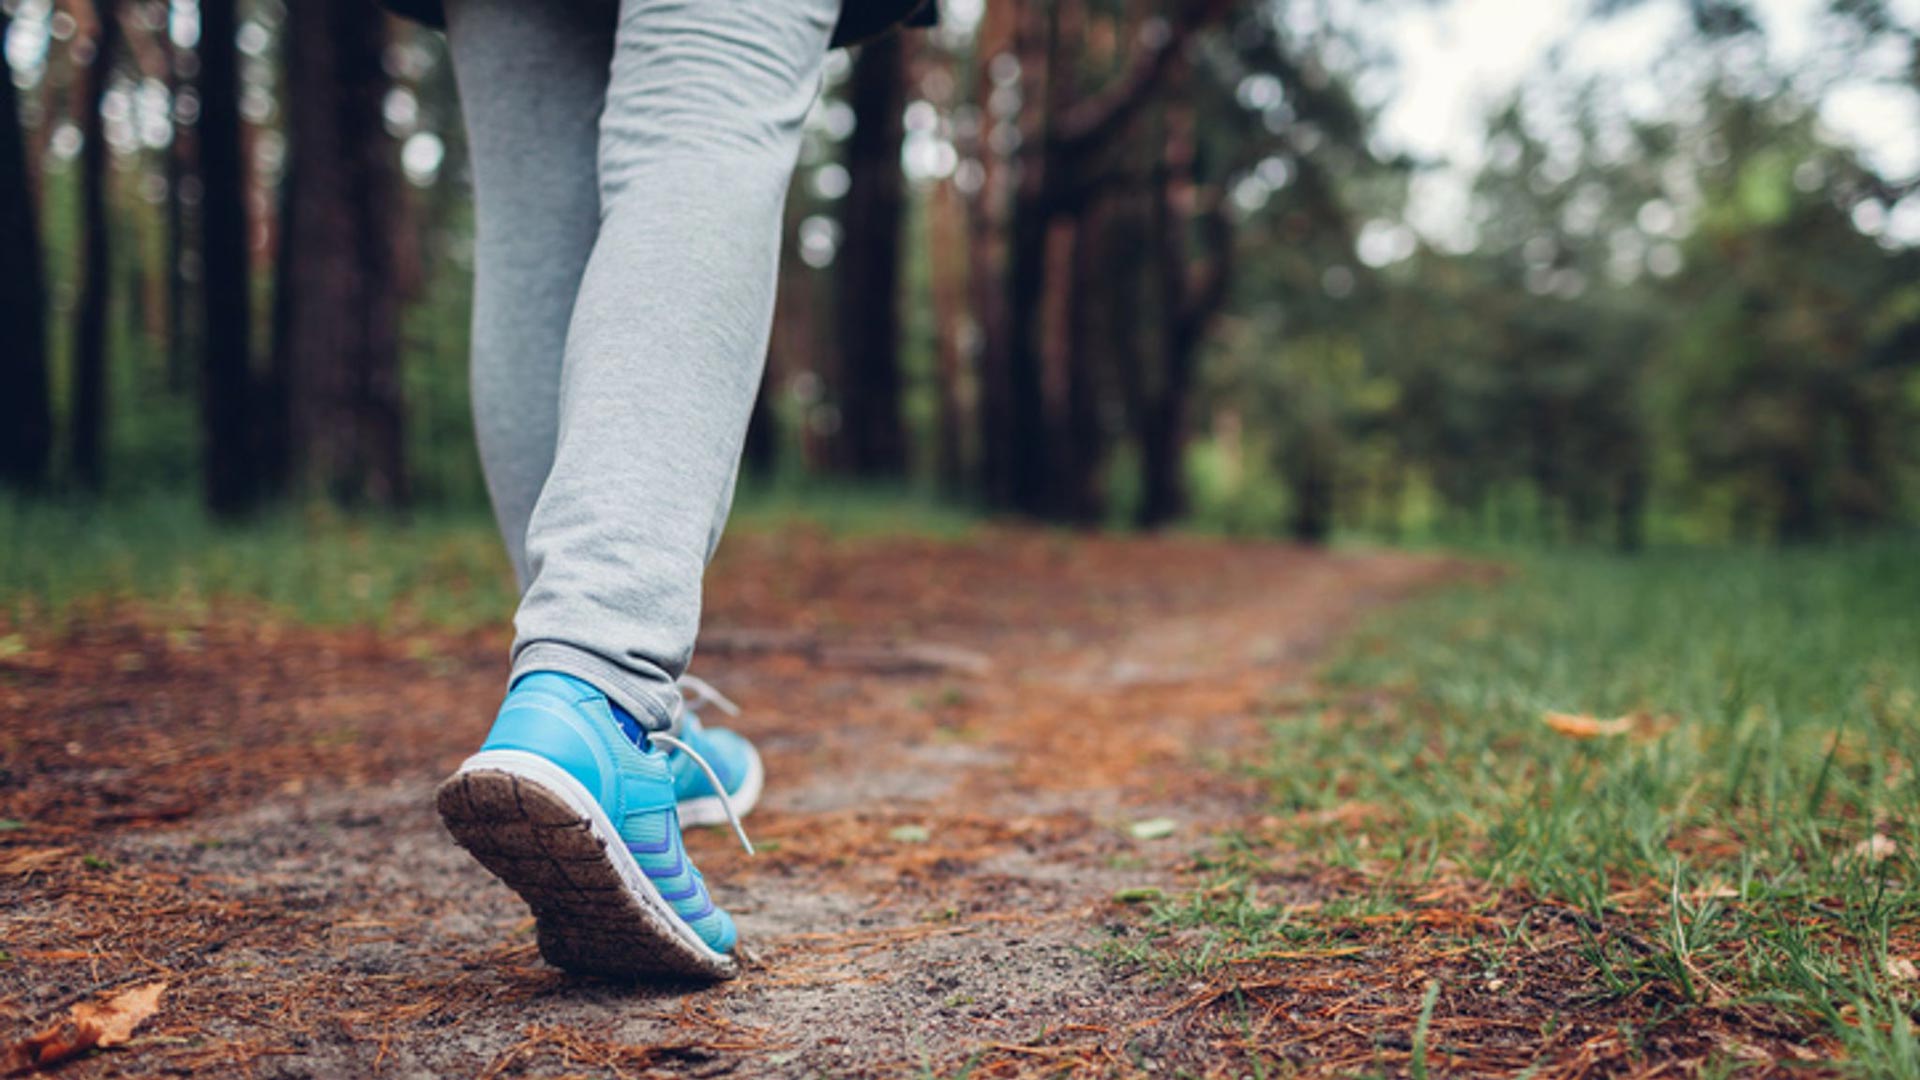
column 337, row 345
column 179, row 336
column 1193, row 286
column 1063, row 160
column 946, row 248
column 872, row 431
column 88, row 430
column 230, row 459
column 26, row 423
column 986, row 145
column 155, row 278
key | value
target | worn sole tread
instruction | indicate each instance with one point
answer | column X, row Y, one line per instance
column 588, row 920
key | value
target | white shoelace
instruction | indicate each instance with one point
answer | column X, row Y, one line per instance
column 713, row 778
column 703, row 693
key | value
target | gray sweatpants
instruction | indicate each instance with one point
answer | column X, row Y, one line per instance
column 630, row 163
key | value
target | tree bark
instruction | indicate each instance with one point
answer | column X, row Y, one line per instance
column 1312, row 483
column 1192, row 291
column 152, row 276
column 760, row 453
column 946, row 244
column 88, row 430
column 1028, row 485
column 226, row 317
column 986, row 257
column 1035, row 198
column 873, row 437
column 26, row 421
column 339, row 343
column 179, row 336
column 1129, row 331
column 1079, row 443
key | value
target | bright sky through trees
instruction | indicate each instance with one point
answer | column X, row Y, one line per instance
column 1459, row 60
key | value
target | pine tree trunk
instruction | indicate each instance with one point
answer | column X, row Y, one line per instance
column 1192, row 289
column 1084, row 437
column 339, row 342
column 179, row 336
column 26, row 422
column 946, row 240
column 760, row 454
column 869, row 286
column 1026, row 435
column 1163, row 492
column 985, row 265
column 272, row 431
column 986, row 259
column 225, row 321
column 88, row 430
column 1312, row 485
column 1027, row 485
column 1162, row 411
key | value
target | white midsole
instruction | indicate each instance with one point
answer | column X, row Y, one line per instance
column 706, row 809
column 536, row 769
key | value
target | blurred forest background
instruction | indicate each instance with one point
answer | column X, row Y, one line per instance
column 1120, row 262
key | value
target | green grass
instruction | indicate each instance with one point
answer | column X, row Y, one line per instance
column 849, row 509
column 1777, row 704
column 441, row 568
column 58, row 560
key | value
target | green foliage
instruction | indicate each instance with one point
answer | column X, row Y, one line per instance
column 1684, row 337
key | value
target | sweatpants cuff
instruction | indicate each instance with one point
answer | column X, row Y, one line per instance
column 654, row 703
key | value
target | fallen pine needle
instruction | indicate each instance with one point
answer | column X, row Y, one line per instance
column 1039, row 1051
column 1300, row 954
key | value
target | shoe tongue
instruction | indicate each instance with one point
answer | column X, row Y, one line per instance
column 629, row 726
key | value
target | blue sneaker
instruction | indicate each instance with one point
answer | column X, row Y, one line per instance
column 735, row 763
column 579, row 818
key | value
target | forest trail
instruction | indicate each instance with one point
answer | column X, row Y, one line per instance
column 974, row 747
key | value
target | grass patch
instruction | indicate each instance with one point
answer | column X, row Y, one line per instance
column 62, row 559
column 849, row 510
column 1742, row 845
column 442, row 568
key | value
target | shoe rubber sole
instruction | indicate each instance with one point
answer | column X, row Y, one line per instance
column 536, row 828
column 706, row 810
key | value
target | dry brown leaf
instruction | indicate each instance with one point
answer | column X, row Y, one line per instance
column 87, row 1025
column 1903, row 969
column 1581, row 726
column 1876, row 847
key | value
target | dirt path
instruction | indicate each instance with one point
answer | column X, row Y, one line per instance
column 958, row 738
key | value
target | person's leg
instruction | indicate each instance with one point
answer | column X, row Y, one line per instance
column 532, row 80
column 669, row 333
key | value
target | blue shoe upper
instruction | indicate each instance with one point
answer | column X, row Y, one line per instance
column 572, row 724
column 725, row 750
